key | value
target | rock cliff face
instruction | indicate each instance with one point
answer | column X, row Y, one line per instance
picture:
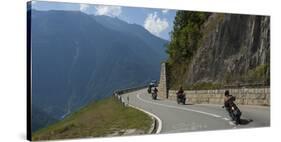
column 233, row 49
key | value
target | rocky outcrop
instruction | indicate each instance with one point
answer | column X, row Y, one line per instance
column 234, row 48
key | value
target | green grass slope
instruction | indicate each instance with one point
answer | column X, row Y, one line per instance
column 103, row 118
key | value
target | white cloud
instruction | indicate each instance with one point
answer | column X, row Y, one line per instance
column 154, row 24
column 112, row 11
column 84, row 7
column 164, row 11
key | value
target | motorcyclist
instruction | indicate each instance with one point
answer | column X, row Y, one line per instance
column 180, row 93
column 155, row 90
column 228, row 101
column 154, row 94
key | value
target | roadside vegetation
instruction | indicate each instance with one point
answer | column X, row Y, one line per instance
column 185, row 40
column 258, row 73
column 106, row 117
column 205, row 86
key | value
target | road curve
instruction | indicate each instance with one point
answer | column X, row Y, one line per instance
column 198, row 117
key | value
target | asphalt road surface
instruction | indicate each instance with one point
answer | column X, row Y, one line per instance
column 195, row 117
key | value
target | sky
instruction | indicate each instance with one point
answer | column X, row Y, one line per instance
column 159, row 22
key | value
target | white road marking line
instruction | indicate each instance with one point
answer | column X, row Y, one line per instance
column 186, row 109
column 225, row 119
column 231, row 123
column 243, row 106
column 159, row 128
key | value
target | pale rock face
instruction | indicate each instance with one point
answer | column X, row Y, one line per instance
column 231, row 44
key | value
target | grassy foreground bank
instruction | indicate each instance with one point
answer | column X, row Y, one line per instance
column 103, row 118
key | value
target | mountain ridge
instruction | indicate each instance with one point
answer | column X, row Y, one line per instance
column 76, row 60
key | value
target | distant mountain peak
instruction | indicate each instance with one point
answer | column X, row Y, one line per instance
column 112, row 54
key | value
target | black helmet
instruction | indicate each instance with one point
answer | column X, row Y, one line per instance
column 226, row 93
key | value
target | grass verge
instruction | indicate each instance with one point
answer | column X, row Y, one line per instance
column 107, row 117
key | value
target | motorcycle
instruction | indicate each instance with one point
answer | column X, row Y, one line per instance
column 181, row 98
column 234, row 111
column 154, row 96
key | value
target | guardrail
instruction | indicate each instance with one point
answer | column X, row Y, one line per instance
column 117, row 93
column 126, row 90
